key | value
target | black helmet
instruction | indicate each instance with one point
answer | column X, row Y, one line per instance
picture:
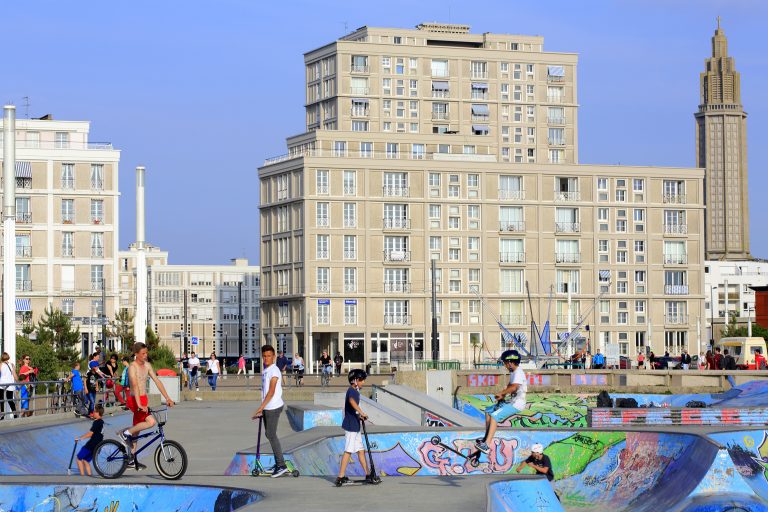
column 357, row 374
column 512, row 356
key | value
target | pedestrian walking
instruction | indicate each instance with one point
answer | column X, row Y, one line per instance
column 214, row 368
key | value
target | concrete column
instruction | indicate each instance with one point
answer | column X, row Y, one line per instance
column 9, row 233
column 140, row 320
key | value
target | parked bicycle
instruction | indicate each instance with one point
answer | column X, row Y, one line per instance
column 111, row 459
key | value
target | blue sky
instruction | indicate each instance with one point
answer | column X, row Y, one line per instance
column 200, row 92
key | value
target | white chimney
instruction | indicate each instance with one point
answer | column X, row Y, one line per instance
column 140, row 319
column 9, row 231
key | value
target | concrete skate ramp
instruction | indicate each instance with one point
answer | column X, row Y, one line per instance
column 45, row 450
column 750, row 394
column 377, row 413
column 422, row 409
column 67, row 497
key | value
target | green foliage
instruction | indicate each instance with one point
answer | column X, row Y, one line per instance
column 151, row 339
column 162, row 357
column 732, row 330
column 122, row 327
column 43, row 357
column 55, row 329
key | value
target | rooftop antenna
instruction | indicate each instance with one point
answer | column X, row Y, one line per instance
column 26, row 106
column 345, row 27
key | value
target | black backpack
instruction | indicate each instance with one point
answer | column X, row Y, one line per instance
column 696, row 404
column 626, row 403
column 604, row 400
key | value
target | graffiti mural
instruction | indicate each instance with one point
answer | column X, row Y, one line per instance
column 679, row 416
column 542, row 410
column 118, row 498
column 749, row 451
column 498, row 460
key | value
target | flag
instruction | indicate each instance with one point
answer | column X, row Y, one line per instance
column 509, row 339
column 545, row 343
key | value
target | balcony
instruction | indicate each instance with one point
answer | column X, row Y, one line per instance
column 350, row 287
column 676, row 289
column 512, row 225
column 511, row 257
column 675, row 229
column 359, row 90
column 359, row 112
column 322, row 222
column 397, row 287
column 397, row 223
column 675, row 259
column 556, row 98
column 322, row 189
column 396, row 319
column 479, row 74
column 397, row 256
column 23, row 217
column 441, row 94
column 675, row 319
column 97, row 219
column 323, row 288
column 477, row 95
column 555, row 79
column 96, row 285
column 513, row 320
column 556, row 121
column 68, row 183
column 567, row 227
column 68, row 251
column 568, row 195
column 673, row 199
column 60, row 144
column 394, row 191
column 24, row 251
column 350, row 223
column 512, row 194
column 567, row 257
column 356, row 68
column 563, row 319
column 68, row 219
column 97, row 252
column 440, row 116
column 322, row 254
column 350, row 320
column 350, row 255
column 350, row 190
column 23, row 286
column 555, row 142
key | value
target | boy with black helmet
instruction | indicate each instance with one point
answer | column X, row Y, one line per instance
column 501, row 411
column 353, row 440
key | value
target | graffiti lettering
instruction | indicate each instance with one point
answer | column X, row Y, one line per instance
column 500, row 458
column 112, row 507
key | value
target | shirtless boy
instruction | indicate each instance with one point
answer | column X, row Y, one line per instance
column 138, row 372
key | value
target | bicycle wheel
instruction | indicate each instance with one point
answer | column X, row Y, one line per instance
column 109, row 459
column 171, row 460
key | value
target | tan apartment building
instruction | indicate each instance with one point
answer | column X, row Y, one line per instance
column 353, row 216
column 127, row 273
column 214, row 301
column 67, row 221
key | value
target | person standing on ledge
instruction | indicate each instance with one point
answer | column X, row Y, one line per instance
column 271, row 406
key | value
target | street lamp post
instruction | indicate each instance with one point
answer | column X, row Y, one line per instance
column 712, row 317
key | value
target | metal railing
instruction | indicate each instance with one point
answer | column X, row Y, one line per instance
column 359, row 90
column 97, row 252
column 673, row 198
column 321, row 254
column 359, row 112
column 395, row 191
column 23, row 285
column 356, row 68
column 675, row 229
column 511, row 257
column 567, row 257
column 397, row 255
column 397, row 319
column 513, row 319
column 62, row 145
column 23, row 217
column 68, row 183
column 567, row 227
column 322, row 222
column 350, row 255
column 511, row 225
column 396, row 223
column 52, row 397
column 676, row 259
column 440, row 93
column 440, row 116
column 511, row 194
column 676, row 319
column 96, row 285
column 557, row 120
column 676, row 289
column 97, row 219
column 24, row 251
column 396, row 286
column 555, row 99
column 571, row 195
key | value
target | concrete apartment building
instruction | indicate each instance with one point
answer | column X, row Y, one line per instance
column 208, row 297
column 437, row 144
column 67, row 221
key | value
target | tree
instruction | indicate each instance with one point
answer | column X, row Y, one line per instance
column 151, row 339
column 43, row 357
column 474, row 341
column 122, row 327
column 55, row 329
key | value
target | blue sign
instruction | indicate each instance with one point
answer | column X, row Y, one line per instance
column 350, row 301
column 323, row 301
column 194, row 340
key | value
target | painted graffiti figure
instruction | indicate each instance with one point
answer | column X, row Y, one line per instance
column 501, row 411
column 353, row 414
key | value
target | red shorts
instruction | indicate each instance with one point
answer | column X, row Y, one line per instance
column 138, row 415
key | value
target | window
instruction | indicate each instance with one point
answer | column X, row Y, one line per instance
column 638, row 185
column 567, row 220
column 674, row 191
column 97, row 277
column 511, row 218
column 434, row 211
column 323, row 279
column 359, row 126
column 439, row 68
column 97, row 211
column 511, row 281
column 350, row 279
column 97, row 245
column 68, row 176
column 478, row 69
column 350, row 312
column 454, row 254
column 322, row 247
column 393, row 150
column 67, row 244
column 396, row 280
column 321, row 215
column 366, row 150
column 350, row 215
column 359, row 85
column 61, row 140
column 555, row 115
column 396, row 184
column 350, row 247
column 97, row 177
column 396, row 216
column 567, row 281
column 621, row 196
column 339, row 148
column 434, row 179
column 323, row 312
column 67, row 211
column 675, row 253
column 418, row 151
column 321, row 181
column 567, row 251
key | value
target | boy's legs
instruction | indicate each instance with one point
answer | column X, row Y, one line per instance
column 271, row 418
column 81, row 466
column 361, row 458
column 344, row 461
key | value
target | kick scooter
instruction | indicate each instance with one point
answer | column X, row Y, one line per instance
column 258, row 467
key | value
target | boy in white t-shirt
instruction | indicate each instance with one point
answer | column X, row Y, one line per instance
column 501, row 411
column 272, row 406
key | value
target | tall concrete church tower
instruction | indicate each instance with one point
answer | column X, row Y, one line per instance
column 721, row 148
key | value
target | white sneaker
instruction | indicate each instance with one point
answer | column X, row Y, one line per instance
column 279, row 471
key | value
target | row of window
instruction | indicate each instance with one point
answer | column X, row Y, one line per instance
column 24, row 210
column 67, row 272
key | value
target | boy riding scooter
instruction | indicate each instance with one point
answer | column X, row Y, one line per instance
column 501, row 411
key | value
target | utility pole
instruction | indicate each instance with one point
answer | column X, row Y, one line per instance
column 435, row 342
column 103, row 316
column 239, row 318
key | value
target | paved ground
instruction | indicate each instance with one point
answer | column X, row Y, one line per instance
column 211, row 432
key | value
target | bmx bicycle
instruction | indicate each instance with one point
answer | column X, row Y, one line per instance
column 325, row 375
column 111, row 460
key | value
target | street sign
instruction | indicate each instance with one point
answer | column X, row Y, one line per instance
column 177, row 334
column 194, row 340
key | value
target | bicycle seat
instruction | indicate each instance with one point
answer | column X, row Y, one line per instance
column 161, row 423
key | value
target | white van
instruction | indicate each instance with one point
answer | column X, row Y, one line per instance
column 743, row 350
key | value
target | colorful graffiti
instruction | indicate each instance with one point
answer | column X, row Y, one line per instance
column 303, row 418
column 542, row 410
column 116, row 498
column 656, row 416
column 498, row 460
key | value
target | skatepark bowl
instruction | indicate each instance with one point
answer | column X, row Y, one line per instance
column 157, row 497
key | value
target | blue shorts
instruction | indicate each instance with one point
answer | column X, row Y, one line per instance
column 85, row 454
column 501, row 411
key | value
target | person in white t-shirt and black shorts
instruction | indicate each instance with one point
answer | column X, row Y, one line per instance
column 502, row 410
column 272, row 406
